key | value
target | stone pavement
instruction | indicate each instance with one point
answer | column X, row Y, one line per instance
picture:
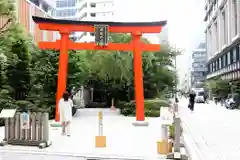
column 124, row 141
column 211, row 132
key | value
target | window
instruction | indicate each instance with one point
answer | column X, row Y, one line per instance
column 220, row 62
column 225, row 29
column 44, row 35
column 93, row 14
column 228, row 58
column 235, row 15
column 45, row 8
column 66, row 12
column 93, row 5
column 36, row 2
column 65, row 3
column 217, row 64
column 238, row 52
column 92, row 33
column 234, row 55
column 224, row 60
column 211, row 68
column 214, row 66
column 198, row 65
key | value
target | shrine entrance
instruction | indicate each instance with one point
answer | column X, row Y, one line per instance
column 101, row 29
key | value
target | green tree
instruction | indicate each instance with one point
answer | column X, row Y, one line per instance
column 218, row 87
column 18, row 62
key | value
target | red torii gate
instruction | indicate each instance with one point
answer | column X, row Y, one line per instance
column 65, row 27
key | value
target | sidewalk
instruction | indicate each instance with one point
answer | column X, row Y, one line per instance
column 124, row 141
column 211, row 132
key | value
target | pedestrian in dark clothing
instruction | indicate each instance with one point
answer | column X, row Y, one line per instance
column 205, row 97
column 191, row 101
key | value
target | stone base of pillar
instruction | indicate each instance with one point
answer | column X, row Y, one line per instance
column 140, row 123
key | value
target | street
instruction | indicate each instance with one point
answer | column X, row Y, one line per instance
column 211, row 132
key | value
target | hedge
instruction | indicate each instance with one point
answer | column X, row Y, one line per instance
column 152, row 107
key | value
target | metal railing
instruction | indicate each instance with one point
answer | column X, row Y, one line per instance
column 36, row 134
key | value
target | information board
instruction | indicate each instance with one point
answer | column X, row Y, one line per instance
column 25, row 121
column 7, row 113
column 101, row 35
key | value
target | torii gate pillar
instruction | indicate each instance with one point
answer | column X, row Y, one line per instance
column 138, row 77
column 62, row 70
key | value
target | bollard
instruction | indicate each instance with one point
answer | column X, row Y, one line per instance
column 177, row 123
column 17, row 126
column 45, row 132
column 162, row 146
column 6, row 137
column 100, row 140
column 177, row 135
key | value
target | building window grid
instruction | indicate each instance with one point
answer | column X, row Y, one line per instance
column 65, row 3
column 66, row 12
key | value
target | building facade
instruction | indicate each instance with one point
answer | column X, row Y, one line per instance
column 98, row 10
column 25, row 9
column 85, row 10
column 223, row 38
column 199, row 65
column 71, row 10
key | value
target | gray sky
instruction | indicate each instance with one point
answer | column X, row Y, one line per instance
column 185, row 21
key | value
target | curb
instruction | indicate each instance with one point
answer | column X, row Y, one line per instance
column 192, row 150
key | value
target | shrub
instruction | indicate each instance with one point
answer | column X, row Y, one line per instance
column 152, row 107
column 172, row 131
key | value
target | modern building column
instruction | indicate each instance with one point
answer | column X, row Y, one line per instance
column 229, row 21
column 238, row 17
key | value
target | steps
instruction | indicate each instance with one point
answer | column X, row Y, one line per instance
column 94, row 112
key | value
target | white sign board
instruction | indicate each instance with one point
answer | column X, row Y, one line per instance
column 25, row 121
column 7, row 113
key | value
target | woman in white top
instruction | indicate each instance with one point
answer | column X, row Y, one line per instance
column 65, row 106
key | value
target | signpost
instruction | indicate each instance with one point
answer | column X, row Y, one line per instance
column 101, row 35
column 100, row 139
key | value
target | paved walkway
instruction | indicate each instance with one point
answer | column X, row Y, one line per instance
column 124, row 141
column 211, row 132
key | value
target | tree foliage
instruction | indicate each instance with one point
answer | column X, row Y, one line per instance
column 218, row 87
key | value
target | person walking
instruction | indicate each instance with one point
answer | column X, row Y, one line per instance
column 192, row 96
column 65, row 105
